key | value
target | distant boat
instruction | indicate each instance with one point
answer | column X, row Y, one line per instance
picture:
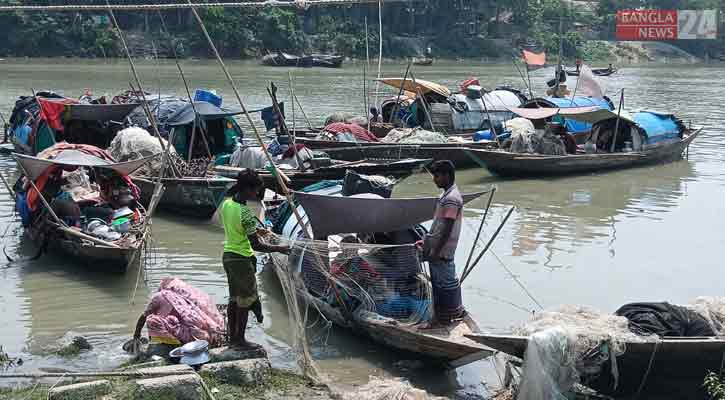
column 424, row 62
column 596, row 71
column 282, row 59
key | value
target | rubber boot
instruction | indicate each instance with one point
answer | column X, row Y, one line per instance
column 256, row 308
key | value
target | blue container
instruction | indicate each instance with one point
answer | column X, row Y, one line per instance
column 483, row 135
column 209, row 97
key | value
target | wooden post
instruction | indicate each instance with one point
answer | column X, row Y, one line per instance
column 616, row 126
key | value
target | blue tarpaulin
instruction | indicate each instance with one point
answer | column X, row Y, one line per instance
column 573, row 126
column 657, row 126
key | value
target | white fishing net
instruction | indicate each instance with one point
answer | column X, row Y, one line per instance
column 712, row 309
column 413, row 136
column 134, row 143
column 388, row 389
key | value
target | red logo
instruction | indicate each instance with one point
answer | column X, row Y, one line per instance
column 647, row 25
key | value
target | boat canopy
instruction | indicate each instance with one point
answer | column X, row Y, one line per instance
column 331, row 215
column 100, row 112
column 590, row 115
column 420, row 85
column 185, row 114
column 36, row 166
column 658, row 126
column 572, row 125
column 470, row 113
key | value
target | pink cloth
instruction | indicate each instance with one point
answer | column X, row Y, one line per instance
column 183, row 312
column 356, row 130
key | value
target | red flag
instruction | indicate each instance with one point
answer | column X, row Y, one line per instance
column 533, row 60
column 468, row 82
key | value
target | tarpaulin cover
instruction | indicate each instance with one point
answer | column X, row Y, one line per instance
column 589, row 115
column 367, row 213
column 664, row 319
column 101, row 112
column 185, row 114
column 657, row 126
column 572, row 125
column 419, row 85
column 36, row 166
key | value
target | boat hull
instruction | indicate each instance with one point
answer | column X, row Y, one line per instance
column 194, row 197
column 301, row 179
column 520, row 165
column 447, row 346
column 455, row 152
column 93, row 256
column 678, row 364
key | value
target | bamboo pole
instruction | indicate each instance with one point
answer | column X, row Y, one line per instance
column 186, row 84
column 490, row 241
column 144, row 103
column 426, row 106
column 480, row 228
column 7, row 186
column 309, row 124
column 311, row 372
column 616, row 126
column 380, row 49
column 490, row 122
column 293, row 135
column 400, row 93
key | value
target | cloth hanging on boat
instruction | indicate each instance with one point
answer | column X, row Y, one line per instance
column 337, row 128
column 51, row 111
column 664, row 319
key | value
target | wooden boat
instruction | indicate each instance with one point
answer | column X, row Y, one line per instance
column 281, row 59
column 348, row 151
column 448, row 345
column 596, row 71
column 299, row 179
column 196, row 197
column 423, row 62
column 94, row 124
column 523, row 165
column 679, row 361
column 45, row 230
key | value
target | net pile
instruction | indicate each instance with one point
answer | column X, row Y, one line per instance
column 712, row 309
column 358, row 278
column 413, row 136
column 566, row 342
column 134, row 143
column 388, row 389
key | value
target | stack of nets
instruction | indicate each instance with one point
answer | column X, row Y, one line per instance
column 414, row 136
column 368, row 280
column 134, row 143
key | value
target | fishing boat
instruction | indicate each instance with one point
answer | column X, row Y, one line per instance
column 453, row 151
column 202, row 131
column 39, row 121
column 643, row 138
column 680, row 361
column 596, row 71
column 325, row 217
column 578, row 128
column 422, row 62
column 102, row 224
column 282, row 59
column 298, row 178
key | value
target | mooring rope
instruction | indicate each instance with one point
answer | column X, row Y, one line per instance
column 301, row 4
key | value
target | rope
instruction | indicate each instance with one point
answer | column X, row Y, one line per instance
column 301, row 4
column 649, row 367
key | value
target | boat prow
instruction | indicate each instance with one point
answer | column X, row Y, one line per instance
column 509, row 344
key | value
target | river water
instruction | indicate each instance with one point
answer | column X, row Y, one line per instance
column 647, row 234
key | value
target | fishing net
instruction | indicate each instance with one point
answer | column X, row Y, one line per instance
column 712, row 309
column 413, row 135
column 355, row 278
column 135, row 143
column 567, row 342
column 388, row 389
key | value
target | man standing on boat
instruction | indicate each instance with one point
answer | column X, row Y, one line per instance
column 240, row 265
column 439, row 246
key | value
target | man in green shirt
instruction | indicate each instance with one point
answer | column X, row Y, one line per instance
column 241, row 241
